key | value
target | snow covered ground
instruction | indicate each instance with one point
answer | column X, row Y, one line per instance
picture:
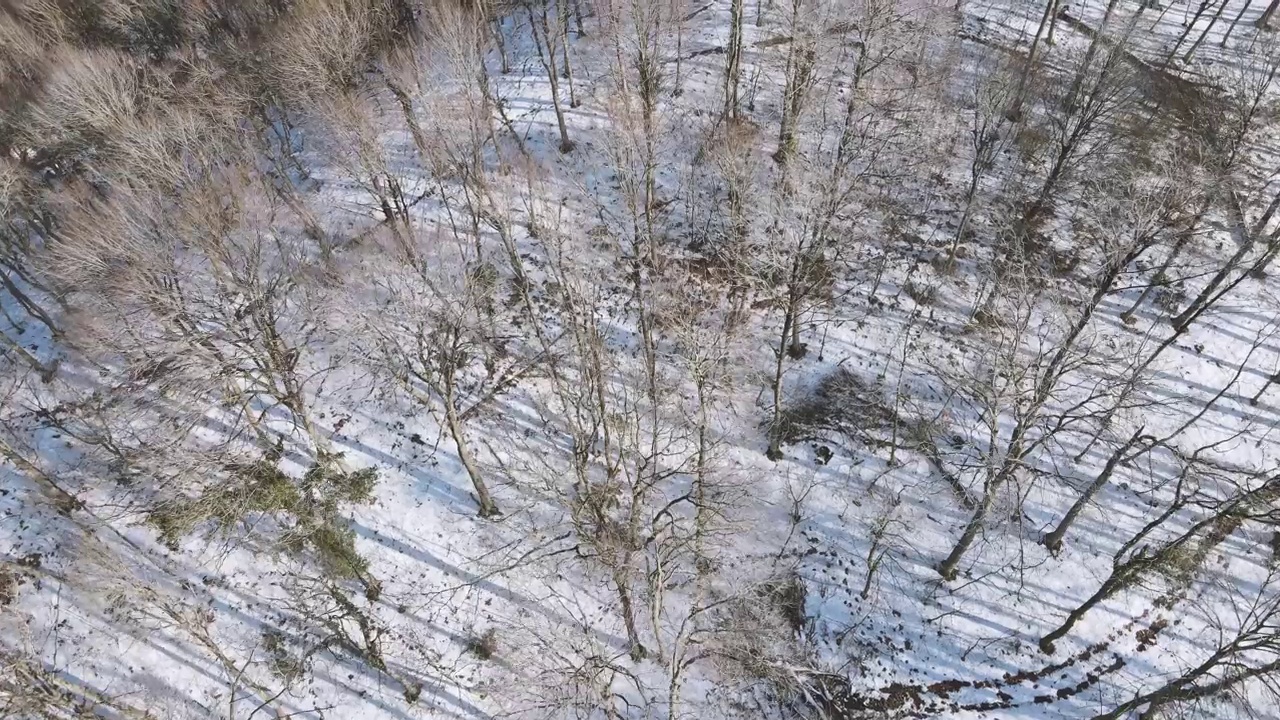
column 476, row 618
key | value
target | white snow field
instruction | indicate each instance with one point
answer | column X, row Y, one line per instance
column 946, row 371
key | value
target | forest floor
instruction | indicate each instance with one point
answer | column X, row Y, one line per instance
column 857, row 510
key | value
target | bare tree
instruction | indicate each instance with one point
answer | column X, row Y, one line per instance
column 1247, row 105
column 1186, row 58
column 181, row 283
column 1203, row 8
column 818, row 198
column 1244, row 497
column 733, row 59
column 550, row 32
column 805, row 26
column 1148, row 209
column 1139, row 445
column 989, row 135
column 1244, row 10
column 440, row 336
column 24, row 229
column 1244, row 652
column 1081, row 129
column 1264, row 21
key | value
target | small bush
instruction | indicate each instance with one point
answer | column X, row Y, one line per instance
column 1169, row 298
column 842, row 403
column 788, row 597
column 259, row 487
column 335, row 549
column 8, row 587
column 485, row 645
column 262, row 488
column 334, row 485
column 412, row 691
column 172, row 524
column 922, row 294
column 154, row 29
column 280, row 660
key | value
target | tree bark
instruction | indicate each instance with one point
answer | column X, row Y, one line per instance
column 488, row 508
column 801, row 55
column 1243, row 11
column 1126, row 571
column 1184, row 689
column 1264, row 22
column 1201, row 301
column 1213, row 21
column 775, row 428
column 1015, row 112
column 1118, row 578
column 1051, row 38
column 1160, row 277
column 623, row 588
column 29, row 304
column 947, row 569
column 1017, row 448
column 1204, row 8
column 547, row 54
column 1053, row 540
column 733, row 59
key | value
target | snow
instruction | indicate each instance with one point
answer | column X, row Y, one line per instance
column 114, row 613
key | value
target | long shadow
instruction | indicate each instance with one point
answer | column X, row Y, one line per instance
column 455, row 499
column 355, row 665
column 91, row 691
column 482, row 583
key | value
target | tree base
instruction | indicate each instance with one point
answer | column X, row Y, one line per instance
column 1053, row 546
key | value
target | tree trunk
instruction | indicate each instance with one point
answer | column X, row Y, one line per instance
column 1184, row 688
column 1243, row 11
column 47, row 372
column 1162, row 274
column 1118, row 578
column 799, row 67
column 733, row 59
column 1264, row 22
column 488, row 509
column 1015, row 112
column 1050, row 37
column 700, row 497
column 801, row 55
column 542, row 41
column 500, row 40
column 30, row 305
column 1258, row 270
column 947, row 569
column 1204, row 7
column 1126, row 571
column 1183, row 319
column 567, row 71
column 775, row 429
column 1017, row 449
column 1131, row 384
column 1213, row 21
column 623, row 588
column 1093, row 50
column 796, row 349
column 1053, row 540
